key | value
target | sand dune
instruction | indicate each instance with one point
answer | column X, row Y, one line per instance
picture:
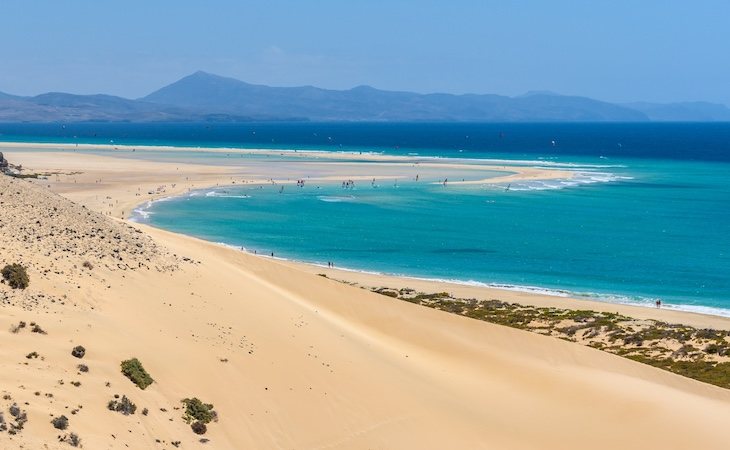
column 288, row 358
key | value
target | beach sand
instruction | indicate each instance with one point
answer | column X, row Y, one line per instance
column 288, row 358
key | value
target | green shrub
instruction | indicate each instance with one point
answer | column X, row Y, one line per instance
column 133, row 370
column 124, row 406
column 717, row 349
column 387, row 293
column 196, row 410
column 20, row 416
column 16, row 276
column 199, row 427
column 71, row 439
column 15, row 328
column 60, row 422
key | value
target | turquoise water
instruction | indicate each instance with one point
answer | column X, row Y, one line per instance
column 649, row 218
column 658, row 229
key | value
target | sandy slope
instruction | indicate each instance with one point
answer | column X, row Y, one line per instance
column 371, row 280
column 293, row 360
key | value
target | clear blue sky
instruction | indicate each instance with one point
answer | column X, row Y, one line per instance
column 612, row 50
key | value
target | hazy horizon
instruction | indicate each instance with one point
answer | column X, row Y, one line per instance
column 616, row 52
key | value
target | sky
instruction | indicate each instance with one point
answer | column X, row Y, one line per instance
column 618, row 51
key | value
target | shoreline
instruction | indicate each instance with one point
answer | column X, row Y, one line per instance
column 595, row 300
column 221, row 175
column 528, row 295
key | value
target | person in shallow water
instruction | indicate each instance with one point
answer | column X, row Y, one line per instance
column 658, row 303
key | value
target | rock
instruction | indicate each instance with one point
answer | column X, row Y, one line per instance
column 78, row 351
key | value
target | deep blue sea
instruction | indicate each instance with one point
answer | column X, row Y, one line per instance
column 649, row 217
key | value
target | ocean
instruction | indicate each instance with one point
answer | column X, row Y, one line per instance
column 648, row 216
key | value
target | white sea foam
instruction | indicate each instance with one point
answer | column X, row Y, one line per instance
column 336, row 198
column 708, row 310
column 650, row 302
column 139, row 214
column 242, row 248
column 578, row 179
column 234, row 247
column 142, row 212
column 224, row 194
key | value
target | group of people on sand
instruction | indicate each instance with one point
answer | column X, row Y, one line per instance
column 330, row 264
column 349, row 184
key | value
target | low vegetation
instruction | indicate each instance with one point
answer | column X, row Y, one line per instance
column 16, row 276
column 133, row 370
column 198, row 414
column 199, row 427
column 20, row 417
column 60, row 422
column 71, row 439
column 701, row 354
column 124, row 406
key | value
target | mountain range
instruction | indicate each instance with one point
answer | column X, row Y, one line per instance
column 206, row 97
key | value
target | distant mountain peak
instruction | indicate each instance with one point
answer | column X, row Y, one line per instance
column 203, row 74
column 363, row 87
column 534, row 93
column 7, row 96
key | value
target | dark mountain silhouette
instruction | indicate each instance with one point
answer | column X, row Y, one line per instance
column 203, row 91
column 207, row 97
